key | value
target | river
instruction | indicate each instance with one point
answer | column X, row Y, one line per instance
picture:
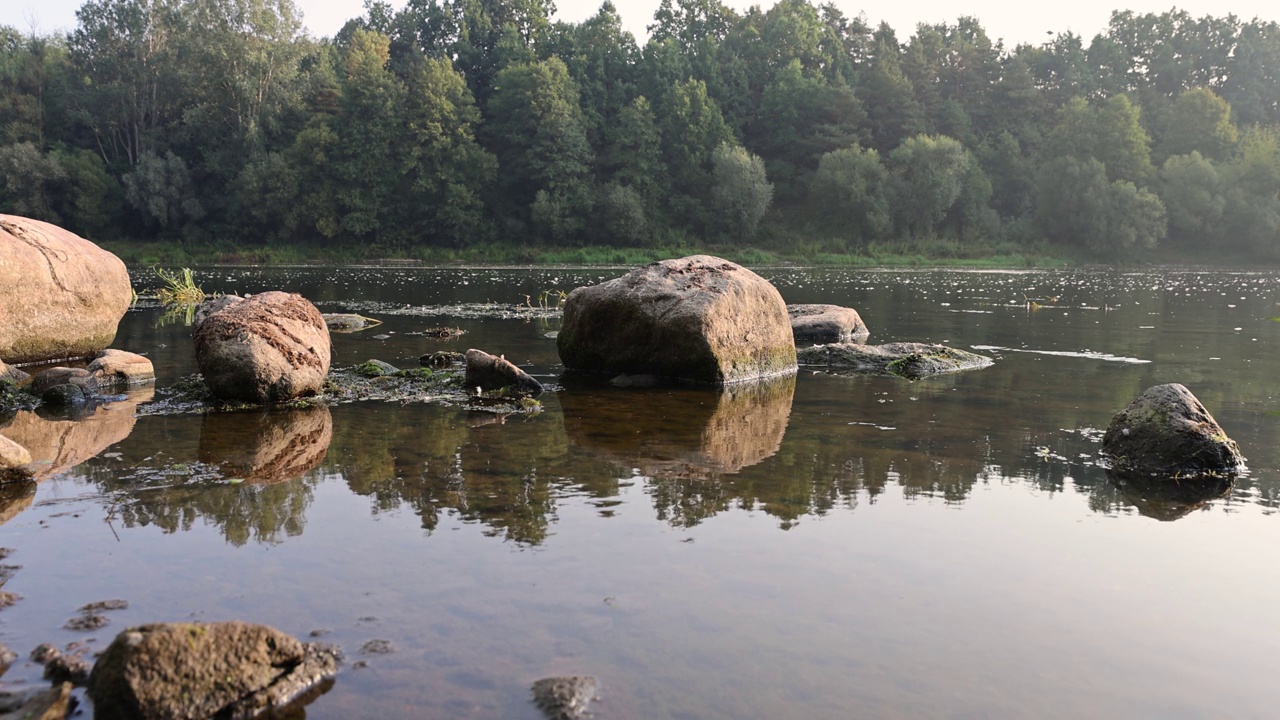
column 830, row 547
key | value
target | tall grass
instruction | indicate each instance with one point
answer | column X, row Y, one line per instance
column 179, row 288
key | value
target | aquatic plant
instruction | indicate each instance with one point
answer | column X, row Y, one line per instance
column 179, row 289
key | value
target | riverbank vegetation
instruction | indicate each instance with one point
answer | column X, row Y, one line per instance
column 178, row 131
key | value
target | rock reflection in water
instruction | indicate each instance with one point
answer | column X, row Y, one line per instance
column 681, row 433
column 1168, row 499
column 266, row 447
column 58, row 444
column 14, row 498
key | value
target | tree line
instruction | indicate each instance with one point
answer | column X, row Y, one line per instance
column 456, row 123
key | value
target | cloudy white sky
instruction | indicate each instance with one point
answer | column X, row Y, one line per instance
column 1014, row 22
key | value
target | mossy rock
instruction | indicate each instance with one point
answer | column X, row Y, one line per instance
column 904, row 359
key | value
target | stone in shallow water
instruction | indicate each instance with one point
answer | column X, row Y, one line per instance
column 564, row 698
column 909, row 360
column 117, row 368
column 1167, row 431
column 491, row 372
column 826, row 324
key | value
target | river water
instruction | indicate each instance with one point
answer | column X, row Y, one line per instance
column 830, row 547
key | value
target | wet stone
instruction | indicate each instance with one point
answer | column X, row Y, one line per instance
column 87, row 622
column 7, row 599
column 68, row 668
column 564, row 698
column 102, row 605
column 44, row 652
column 378, row 647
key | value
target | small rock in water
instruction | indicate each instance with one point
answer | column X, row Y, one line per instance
column 383, row 336
column 7, row 657
column 68, row 668
column 442, row 359
column 87, row 621
column 564, row 698
column 490, row 372
column 44, row 652
column 66, row 395
column 101, row 605
column 51, row 704
column 378, row 647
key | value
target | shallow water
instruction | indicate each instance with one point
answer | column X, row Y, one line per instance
column 823, row 548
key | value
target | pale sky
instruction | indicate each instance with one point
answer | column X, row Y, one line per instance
column 1015, row 22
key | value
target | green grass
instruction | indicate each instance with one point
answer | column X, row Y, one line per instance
column 179, row 288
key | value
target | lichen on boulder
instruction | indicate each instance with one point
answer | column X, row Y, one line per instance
column 699, row 319
column 1167, row 431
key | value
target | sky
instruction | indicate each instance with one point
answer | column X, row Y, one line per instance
column 1014, row 22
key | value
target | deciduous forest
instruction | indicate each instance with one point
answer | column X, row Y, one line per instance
column 452, row 125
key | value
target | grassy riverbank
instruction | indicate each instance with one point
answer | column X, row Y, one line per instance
column 939, row 254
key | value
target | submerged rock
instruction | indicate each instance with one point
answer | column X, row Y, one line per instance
column 814, row 324
column 905, row 359
column 270, row 347
column 348, row 322
column 442, row 359
column 73, row 293
column 700, row 319
column 173, row 671
column 1166, row 431
column 491, row 372
column 565, row 698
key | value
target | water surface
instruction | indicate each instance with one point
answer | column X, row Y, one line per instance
column 824, row 547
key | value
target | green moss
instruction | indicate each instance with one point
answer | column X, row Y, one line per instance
column 370, row 369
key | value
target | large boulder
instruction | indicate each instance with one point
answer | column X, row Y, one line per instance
column 188, row 671
column 905, row 359
column 73, row 293
column 120, row 369
column 815, row 324
column 700, row 319
column 1166, row 431
column 270, row 347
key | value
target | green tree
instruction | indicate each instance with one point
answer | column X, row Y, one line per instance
column 928, row 175
column 1112, row 134
column 742, row 192
column 29, row 182
column 851, row 195
column 1191, row 189
column 1079, row 206
column 1199, row 121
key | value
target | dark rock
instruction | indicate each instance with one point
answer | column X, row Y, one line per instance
column 565, row 698
column 1167, row 432
column 348, row 322
column 103, row 605
column 64, row 396
column 816, row 324
column 490, row 372
column 698, row 319
column 377, row 647
column 44, row 652
column 909, row 360
column 192, row 670
column 54, row 377
column 7, row 657
column 120, row 369
column 67, row 668
column 270, row 347
column 637, row 381
column 73, row 293
column 13, row 375
column 54, row 703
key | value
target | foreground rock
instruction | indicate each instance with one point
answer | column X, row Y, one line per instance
column 1166, row 431
column 270, row 347
column 14, row 462
column 905, row 359
column 73, row 293
column 491, row 372
column 564, row 698
column 12, row 375
column 173, row 671
column 50, row 704
column 816, row 324
column 699, row 319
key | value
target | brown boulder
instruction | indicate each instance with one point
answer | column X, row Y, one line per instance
column 12, row 374
column 14, row 461
column 117, row 368
column 270, row 347
column 826, row 324
column 55, row 376
column 1166, row 431
column 699, row 319
column 187, row 671
column 490, row 372
column 73, row 293
column 266, row 447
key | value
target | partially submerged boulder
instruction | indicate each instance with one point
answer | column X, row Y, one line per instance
column 492, row 372
column 905, row 359
column 73, row 293
column 55, row 376
column 270, row 347
column 12, row 375
column 348, row 322
column 49, row 704
column 565, row 698
column 816, row 324
column 700, row 319
column 1166, row 431
column 119, row 369
column 185, row 671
